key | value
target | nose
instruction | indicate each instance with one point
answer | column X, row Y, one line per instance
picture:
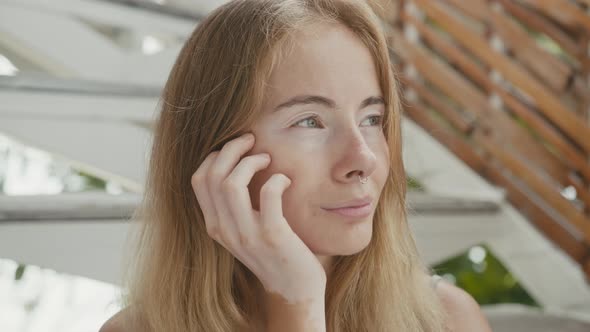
column 355, row 158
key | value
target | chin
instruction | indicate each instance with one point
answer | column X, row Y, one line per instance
column 349, row 243
column 353, row 249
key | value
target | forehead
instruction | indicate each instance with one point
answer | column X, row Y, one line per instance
column 329, row 60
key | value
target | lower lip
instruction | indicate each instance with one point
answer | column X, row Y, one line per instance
column 353, row 212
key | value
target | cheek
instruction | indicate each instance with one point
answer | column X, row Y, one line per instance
column 378, row 144
column 283, row 163
column 382, row 153
column 290, row 154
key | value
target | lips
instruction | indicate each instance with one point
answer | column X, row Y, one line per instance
column 355, row 203
column 356, row 208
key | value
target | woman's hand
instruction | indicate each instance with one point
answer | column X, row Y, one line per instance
column 261, row 240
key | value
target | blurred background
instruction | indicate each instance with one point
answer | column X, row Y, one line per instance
column 496, row 146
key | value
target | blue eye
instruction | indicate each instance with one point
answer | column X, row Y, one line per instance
column 378, row 120
column 312, row 119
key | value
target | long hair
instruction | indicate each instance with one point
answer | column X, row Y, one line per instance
column 180, row 279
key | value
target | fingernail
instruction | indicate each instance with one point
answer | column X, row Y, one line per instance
column 248, row 136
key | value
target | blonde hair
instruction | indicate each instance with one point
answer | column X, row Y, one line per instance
column 182, row 280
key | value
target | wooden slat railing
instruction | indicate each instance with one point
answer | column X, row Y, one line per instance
column 538, row 213
column 571, row 156
column 554, row 73
column 504, row 85
column 545, row 100
column 563, row 11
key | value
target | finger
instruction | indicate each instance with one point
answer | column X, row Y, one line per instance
column 237, row 196
column 225, row 162
column 271, row 194
column 228, row 157
column 200, row 187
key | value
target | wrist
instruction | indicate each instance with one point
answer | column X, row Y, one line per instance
column 305, row 315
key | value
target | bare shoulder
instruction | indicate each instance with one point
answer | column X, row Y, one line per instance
column 120, row 322
column 463, row 311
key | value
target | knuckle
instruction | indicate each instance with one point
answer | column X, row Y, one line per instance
column 229, row 185
column 213, row 231
column 196, row 179
column 199, row 174
column 269, row 236
column 245, row 240
column 215, row 174
column 214, row 179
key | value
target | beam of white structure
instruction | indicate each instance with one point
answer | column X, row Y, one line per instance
column 112, row 14
column 512, row 317
column 92, row 248
column 70, row 48
column 204, row 6
column 69, row 106
column 115, row 151
column 23, row 220
column 78, row 206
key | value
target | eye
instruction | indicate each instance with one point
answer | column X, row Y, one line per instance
column 377, row 120
column 312, row 122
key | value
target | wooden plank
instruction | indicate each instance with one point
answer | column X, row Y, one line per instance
column 539, row 215
column 548, row 192
column 562, row 11
column 584, row 2
column 551, row 70
column 463, row 92
column 477, row 9
column 582, row 192
column 452, row 53
column 539, row 23
column 573, row 156
column 544, row 98
column 457, row 120
column 419, row 114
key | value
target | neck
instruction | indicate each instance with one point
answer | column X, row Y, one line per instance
column 327, row 262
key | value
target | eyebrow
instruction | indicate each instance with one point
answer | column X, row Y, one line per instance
column 309, row 99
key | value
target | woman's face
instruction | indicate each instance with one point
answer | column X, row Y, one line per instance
column 324, row 144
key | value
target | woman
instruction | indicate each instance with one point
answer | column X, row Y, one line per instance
column 276, row 190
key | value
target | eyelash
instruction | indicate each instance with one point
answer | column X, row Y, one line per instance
column 315, row 117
